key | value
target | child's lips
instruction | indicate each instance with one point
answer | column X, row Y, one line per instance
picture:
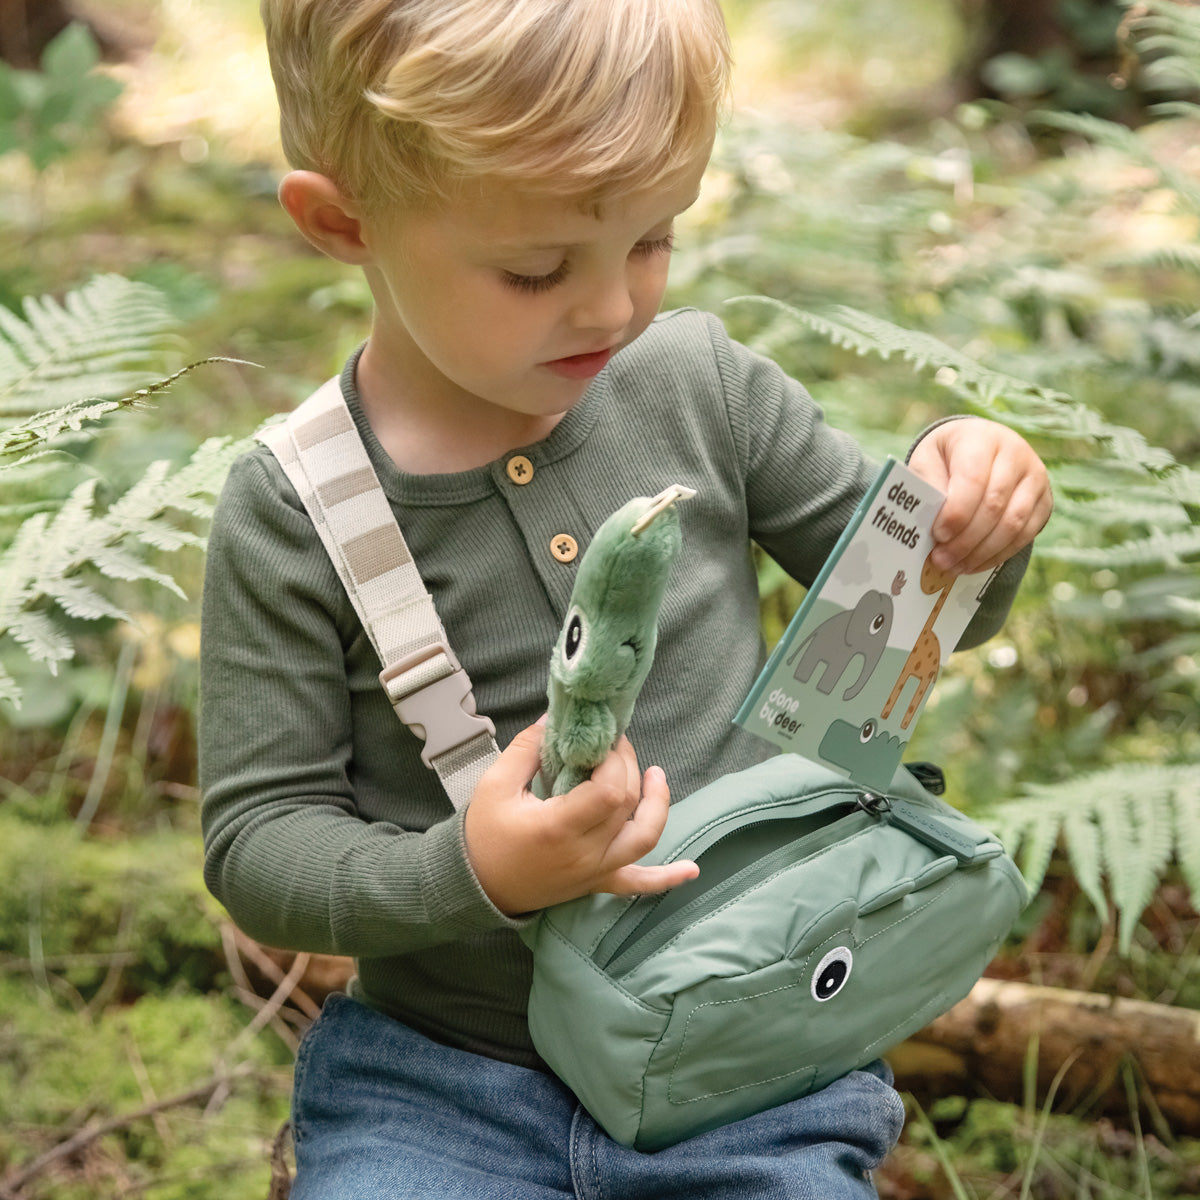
column 581, row 366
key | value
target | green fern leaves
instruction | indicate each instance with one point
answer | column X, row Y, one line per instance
column 67, row 365
column 1125, row 825
column 99, row 342
column 866, row 335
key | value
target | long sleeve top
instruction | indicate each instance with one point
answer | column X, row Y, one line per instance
column 323, row 829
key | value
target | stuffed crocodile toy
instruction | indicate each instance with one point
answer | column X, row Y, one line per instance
column 607, row 642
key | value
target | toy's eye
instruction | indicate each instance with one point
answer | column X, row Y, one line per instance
column 878, row 623
column 867, row 732
column 576, row 637
column 831, row 974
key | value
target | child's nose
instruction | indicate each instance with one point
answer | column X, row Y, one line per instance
column 607, row 305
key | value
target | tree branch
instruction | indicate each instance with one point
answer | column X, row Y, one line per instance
column 11, row 1187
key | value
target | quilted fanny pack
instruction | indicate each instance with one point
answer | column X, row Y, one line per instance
column 826, row 925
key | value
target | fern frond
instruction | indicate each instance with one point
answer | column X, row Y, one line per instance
column 41, row 639
column 1171, row 32
column 1184, row 484
column 188, row 489
column 1187, row 835
column 1132, row 820
column 42, row 566
column 1184, row 109
column 1136, row 840
column 866, row 335
column 1126, row 142
column 122, row 562
column 100, row 341
column 1097, row 481
column 1135, row 508
column 1087, row 860
column 43, row 427
column 11, row 512
column 8, row 688
column 78, row 600
column 1179, row 256
column 1182, row 607
column 1025, row 405
column 1155, row 550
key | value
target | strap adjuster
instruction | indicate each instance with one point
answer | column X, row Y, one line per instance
column 432, row 695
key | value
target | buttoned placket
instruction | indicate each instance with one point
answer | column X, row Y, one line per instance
column 551, row 527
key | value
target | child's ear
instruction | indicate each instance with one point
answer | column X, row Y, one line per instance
column 326, row 217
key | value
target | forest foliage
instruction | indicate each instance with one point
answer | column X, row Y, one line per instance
column 1035, row 265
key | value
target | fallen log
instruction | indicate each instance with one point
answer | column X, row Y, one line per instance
column 1100, row 1044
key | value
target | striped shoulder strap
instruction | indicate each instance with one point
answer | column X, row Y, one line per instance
column 322, row 454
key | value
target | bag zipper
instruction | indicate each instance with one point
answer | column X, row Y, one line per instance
column 640, row 943
column 642, row 909
column 635, row 936
column 926, row 827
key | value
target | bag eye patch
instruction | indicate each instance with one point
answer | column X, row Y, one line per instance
column 832, row 973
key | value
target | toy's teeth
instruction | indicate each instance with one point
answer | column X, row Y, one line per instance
column 665, row 499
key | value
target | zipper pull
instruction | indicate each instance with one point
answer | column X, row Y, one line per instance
column 920, row 824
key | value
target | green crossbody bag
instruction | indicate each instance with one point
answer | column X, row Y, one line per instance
column 826, row 925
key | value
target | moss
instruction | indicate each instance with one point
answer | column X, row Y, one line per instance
column 58, row 1071
column 70, row 903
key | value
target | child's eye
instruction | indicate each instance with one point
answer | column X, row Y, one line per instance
column 536, row 283
column 662, row 245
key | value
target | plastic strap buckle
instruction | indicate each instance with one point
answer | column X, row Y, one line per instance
column 432, row 695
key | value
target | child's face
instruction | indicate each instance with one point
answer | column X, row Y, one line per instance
column 511, row 298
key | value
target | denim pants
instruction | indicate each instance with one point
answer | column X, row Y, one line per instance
column 382, row 1113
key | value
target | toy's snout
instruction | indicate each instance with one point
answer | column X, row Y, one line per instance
column 665, row 499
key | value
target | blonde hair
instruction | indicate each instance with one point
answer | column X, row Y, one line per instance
column 398, row 101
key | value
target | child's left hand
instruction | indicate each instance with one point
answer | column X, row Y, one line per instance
column 997, row 492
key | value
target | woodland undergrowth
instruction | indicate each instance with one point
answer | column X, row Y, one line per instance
column 1041, row 268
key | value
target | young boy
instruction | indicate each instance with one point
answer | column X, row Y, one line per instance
column 506, row 173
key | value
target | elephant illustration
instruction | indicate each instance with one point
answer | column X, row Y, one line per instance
column 861, row 630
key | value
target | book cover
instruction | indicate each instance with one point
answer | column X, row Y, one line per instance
column 853, row 671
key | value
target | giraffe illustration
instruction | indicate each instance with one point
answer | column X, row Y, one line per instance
column 925, row 660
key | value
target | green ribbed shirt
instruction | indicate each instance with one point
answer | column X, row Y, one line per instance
column 323, row 830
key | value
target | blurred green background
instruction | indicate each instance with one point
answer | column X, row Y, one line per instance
column 950, row 205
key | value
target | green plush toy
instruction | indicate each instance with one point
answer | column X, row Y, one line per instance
column 606, row 646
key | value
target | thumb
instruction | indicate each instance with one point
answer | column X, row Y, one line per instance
column 521, row 759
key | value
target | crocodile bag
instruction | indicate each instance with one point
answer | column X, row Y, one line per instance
column 827, row 924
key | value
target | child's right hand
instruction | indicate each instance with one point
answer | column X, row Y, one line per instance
column 528, row 853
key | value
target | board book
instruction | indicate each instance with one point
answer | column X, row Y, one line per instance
column 851, row 675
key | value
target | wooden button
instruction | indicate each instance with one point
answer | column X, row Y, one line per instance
column 564, row 547
column 520, row 469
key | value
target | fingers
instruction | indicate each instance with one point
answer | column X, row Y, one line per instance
column 637, row 880
column 637, row 838
column 610, row 797
column 529, row 853
column 999, row 526
column 623, row 827
column 997, row 493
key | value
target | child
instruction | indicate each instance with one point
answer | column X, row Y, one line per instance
column 506, row 173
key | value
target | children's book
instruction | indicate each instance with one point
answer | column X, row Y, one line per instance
column 852, row 673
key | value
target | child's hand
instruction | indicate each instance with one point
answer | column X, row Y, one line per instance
column 997, row 492
column 528, row 853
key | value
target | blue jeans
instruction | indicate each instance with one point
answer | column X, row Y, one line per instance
column 382, row 1113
